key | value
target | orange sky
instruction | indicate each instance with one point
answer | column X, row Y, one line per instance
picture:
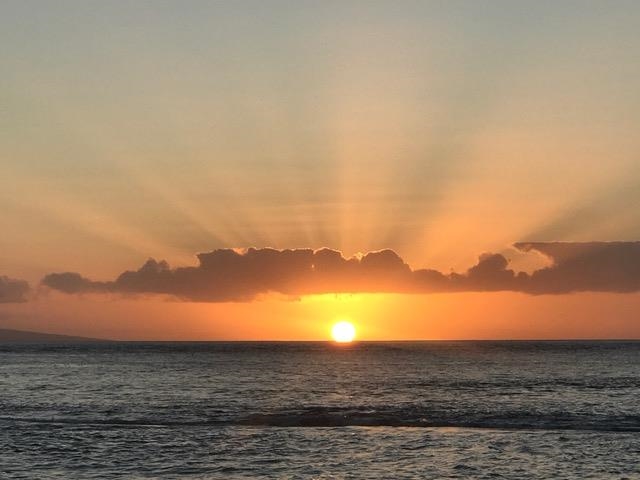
column 439, row 130
column 376, row 316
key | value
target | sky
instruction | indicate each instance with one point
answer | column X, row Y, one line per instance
column 438, row 132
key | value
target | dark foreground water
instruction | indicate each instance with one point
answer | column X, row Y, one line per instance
column 316, row 410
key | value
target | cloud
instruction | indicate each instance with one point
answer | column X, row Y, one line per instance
column 13, row 291
column 591, row 266
column 71, row 282
column 229, row 275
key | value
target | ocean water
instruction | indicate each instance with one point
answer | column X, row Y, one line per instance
column 557, row 410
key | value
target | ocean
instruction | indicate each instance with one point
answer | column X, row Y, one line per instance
column 370, row 410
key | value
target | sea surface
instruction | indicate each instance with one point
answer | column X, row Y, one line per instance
column 516, row 410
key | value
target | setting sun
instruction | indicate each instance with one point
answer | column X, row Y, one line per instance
column 343, row 332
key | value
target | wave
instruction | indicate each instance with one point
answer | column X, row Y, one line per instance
column 324, row 417
column 329, row 417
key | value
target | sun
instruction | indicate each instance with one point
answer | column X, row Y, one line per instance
column 343, row 332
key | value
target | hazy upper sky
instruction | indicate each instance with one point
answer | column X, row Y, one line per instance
column 440, row 130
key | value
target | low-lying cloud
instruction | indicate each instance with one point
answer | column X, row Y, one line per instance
column 12, row 290
column 591, row 266
column 229, row 275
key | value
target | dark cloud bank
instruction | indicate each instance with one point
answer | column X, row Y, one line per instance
column 228, row 275
column 13, row 291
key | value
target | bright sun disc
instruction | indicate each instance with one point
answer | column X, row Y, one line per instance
column 343, row 332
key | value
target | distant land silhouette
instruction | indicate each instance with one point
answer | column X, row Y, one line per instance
column 22, row 336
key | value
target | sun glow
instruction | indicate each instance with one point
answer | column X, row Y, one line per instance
column 343, row 332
